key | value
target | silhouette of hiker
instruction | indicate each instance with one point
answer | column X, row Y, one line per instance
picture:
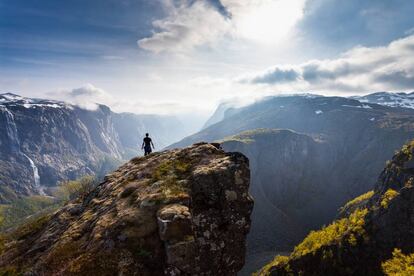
column 146, row 144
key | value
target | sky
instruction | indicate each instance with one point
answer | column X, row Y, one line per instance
column 187, row 56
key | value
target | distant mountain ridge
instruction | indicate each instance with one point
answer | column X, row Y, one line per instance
column 400, row 99
column 46, row 141
column 347, row 144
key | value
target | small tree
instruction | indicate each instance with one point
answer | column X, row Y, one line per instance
column 72, row 189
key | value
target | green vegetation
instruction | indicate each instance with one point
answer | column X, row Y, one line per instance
column 406, row 152
column 399, row 265
column 248, row 136
column 350, row 228
column 169, row 173
column 8, row 271
column 278, row 261
column 347, row 230
column 69, row 190
column 387, row 197
column 30, row 227
column 7, row 194
column 19, row 209
column 31, row 207
column 107, row 164
column 407, row 149
column 358, row 200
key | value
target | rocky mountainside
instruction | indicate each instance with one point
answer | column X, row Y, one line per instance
column 180, row 212
column 328, row 117
column 337, row 149
column 292, row 190
column 373, row 236
column 401, row 99
column 43, row 142
column 223, row 110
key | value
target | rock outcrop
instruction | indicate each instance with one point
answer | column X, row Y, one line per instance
column 373, row 236
column 179, row 212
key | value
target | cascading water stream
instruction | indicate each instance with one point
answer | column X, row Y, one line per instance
column 35, row 175
column 11, row 130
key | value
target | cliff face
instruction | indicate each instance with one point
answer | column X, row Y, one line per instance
column 336, row 151
column 180, row 212
column 374, row 234
column 43, row 142
column 46, row 142
column 290, row 186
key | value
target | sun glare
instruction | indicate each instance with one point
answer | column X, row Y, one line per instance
column 270, row 20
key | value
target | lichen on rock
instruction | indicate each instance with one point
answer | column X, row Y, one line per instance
column 179, row 212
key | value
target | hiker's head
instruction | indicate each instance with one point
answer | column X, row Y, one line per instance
column 147, row 134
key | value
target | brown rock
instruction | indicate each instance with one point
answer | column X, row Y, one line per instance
column 179, row 212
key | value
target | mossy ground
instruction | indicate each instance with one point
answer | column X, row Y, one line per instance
column 344, row 231
column 29, row 228
column 350, row 229
column 248, row 136
column 170, row 174
column 399, row 265
column 358, row 200
column 387, row 197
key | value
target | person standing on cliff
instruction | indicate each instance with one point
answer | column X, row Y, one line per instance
column 146, row 144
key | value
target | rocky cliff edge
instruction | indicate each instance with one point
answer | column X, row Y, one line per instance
column 179, row 212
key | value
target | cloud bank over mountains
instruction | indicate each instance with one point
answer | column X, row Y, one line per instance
column 192, row 54
column 362, row 69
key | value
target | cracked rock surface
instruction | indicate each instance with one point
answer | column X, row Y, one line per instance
column 179, row 212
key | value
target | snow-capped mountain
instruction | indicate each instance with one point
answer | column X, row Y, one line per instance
column 13, row 99
column 43, row 141
column 400, row 99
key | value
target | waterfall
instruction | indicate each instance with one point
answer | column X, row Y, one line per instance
column 35, row 175
column 11, row 130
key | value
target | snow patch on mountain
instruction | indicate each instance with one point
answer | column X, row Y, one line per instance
column 401, row 99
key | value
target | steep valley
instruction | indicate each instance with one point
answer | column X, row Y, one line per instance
column 373, row 234
column 43, row 142
column 333, row 150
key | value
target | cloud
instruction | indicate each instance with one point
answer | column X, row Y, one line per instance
column 361, row 69
column 188, row 25
column 194, row 23
column 87, row 96
column 90, row 97
column 275, row 75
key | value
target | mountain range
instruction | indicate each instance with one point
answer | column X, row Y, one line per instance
column 400, row 99
column 309, row 155
column 43, row 142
